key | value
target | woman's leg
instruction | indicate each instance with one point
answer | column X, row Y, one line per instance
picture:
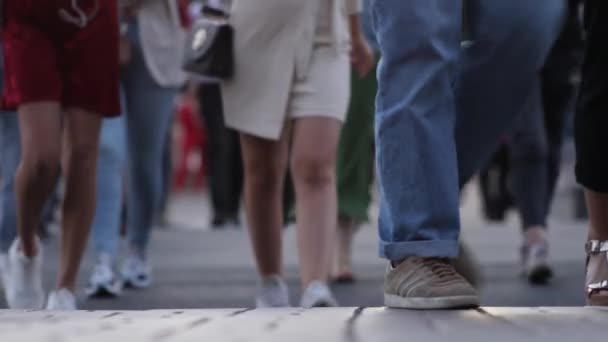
column 225, row 168
column 590, row 135
column 265, row 163
column 80, row 150
column 597, row 203
column 529, row 165
column 149, row 110
column 110, row 179
column 313, row 168
column 108, row 219
column 40, row 129
column 10, row 154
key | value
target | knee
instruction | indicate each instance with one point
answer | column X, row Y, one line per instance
column 313, row 171
column 264, row 175
column 42, row 165
column 82, row 155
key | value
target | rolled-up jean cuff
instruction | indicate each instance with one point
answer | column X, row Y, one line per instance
column 426, row 249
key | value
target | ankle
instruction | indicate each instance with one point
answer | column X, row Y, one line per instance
column 137, row 252
column 270, row 279
column 535, row 235
column 308, row 283
column 65, row 287
column 29, row 247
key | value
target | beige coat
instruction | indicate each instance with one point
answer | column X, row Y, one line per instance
column 163, row 41
column 274, row 43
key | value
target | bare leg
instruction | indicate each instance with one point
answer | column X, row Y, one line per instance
column 40, row 128
column 342, row 264
column 597, row 204
column 315, row 142
column 80, row 149
column 265, row 165
column 597, row 267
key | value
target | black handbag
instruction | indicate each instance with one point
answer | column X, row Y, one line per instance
column 210, row 48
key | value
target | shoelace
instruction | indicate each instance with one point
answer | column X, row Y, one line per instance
column 440, row 267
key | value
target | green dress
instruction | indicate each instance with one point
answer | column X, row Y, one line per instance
column 355, row 163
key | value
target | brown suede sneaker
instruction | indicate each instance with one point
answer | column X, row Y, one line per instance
column 427, row 283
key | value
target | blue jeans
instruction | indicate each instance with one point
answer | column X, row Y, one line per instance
column 139, row 135
column 110, row 190
column 149, row 111
column 10, row 155
column 440, row 108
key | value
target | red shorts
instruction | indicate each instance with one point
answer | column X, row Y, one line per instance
column 50, row 58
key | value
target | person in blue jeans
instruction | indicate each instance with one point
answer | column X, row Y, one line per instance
column 150, row 80
column 108, row 219
column 10, row 155
column 440, row 110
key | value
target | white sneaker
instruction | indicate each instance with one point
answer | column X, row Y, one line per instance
column 61, row 300
column 24, row 280
column 318, row 295
column 104, row 282
column 136, row 272
column 272, row 293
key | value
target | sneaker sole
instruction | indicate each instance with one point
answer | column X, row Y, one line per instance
column 133, row 285
column 452, row 302
column 104, row 292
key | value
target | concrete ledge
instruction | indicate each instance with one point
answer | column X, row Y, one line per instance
column 318, row 325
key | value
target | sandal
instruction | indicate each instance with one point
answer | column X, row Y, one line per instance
column 597, row 273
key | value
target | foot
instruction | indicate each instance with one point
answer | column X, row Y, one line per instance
column 318, row 295
column 61, row 300
column 427, row 283
column 104, row 282
column 597, row 273
column 136, row 273
column 272, row 293
column 24, row 279
column 534, row 261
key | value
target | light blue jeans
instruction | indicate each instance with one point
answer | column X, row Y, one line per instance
column 149, row 112
column 110, row 186
column 440, row 108
column 140, row 136
column 10, row 155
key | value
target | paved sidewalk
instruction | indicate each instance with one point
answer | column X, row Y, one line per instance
column 318, row 325
column 196, row 268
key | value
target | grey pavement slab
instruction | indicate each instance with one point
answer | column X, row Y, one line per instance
column 333, row 324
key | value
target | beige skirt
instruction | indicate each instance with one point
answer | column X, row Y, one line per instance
column 281, row 73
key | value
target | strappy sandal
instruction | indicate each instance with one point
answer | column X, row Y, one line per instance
column 597, row 273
